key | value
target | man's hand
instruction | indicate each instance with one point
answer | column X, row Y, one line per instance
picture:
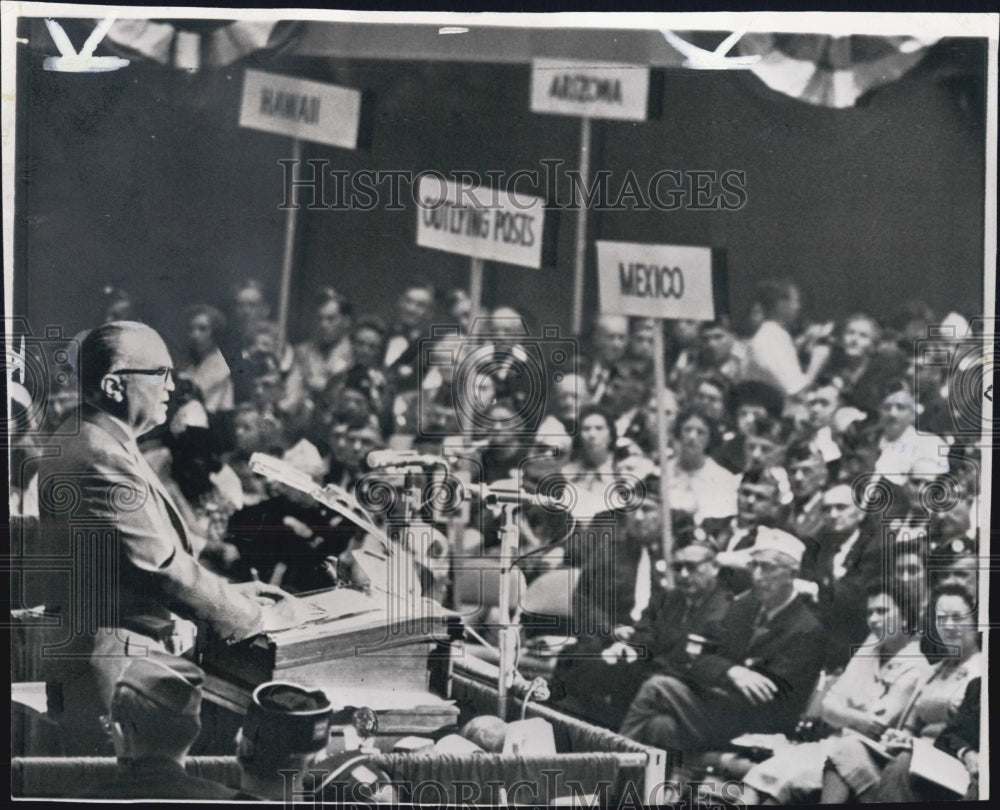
column 261, row 592
column 752, row 685
column 619, row 650
column 287, row 613
column 624, row 632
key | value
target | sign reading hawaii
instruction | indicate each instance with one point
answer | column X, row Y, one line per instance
column 301, row 108
column 655, row 281
column 590, row 89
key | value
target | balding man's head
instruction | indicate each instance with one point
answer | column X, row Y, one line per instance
column 507, row 322
column 125, row 369
column 611, row 337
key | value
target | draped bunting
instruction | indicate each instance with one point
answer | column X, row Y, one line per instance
column 831, row 71
column 185, row 49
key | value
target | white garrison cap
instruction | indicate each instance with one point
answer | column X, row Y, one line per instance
column 778, row 540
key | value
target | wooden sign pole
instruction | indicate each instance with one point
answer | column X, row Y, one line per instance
column 476, row 286
column 662, row 438
column 580, row 252
column 288, row 255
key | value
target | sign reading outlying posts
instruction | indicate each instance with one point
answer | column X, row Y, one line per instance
column 312, row 111
column 590, row 89
column 496, row 225
column 656, row 281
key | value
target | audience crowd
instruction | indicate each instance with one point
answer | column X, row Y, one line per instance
column 823, row 506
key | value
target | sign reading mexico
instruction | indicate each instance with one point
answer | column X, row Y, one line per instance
column 484, row 223
column 590, row 89
column 656, row 281
column 313, row 111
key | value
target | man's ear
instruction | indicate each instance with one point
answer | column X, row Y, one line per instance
column 111, row 387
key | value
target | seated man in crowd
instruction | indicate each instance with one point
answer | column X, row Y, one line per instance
column 807, row 474
column 870, row 696
column 607, row 349
column 748, row 401
column 601, row 688
column 900, row 445
column 628, row 388
column 767, row 656
column 766, row 443
column 153, row 722
column 758, row 503
column 414, row 314
column 823, row 405
column 719, row 353
column 845, row 553
column 328, row 353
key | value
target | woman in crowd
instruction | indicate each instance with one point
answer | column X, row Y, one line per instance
column 204, row 365
column 858, row 366
column 591, row 470
column 854, row 768
column 253, row 432
column 698, row 485
column 867, row 698
column 960, row 739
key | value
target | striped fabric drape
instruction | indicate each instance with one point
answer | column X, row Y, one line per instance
column 830, row 71
column 192, row 50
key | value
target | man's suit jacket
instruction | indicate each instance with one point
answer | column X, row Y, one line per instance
column 606, row 589
column 121, row 552
column 666, row 621
column 155, row 778
column 788, row 650
column 963, row 730
column 841, row 604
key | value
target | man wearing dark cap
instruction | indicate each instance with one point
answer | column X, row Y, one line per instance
column 154, row 720
column 282, row 746
column 286, row 728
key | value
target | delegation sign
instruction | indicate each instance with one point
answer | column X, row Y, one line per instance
column 590, row 89
column 301, row 108
column 655, row 281
column 495, row 225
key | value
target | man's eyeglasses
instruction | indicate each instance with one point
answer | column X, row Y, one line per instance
column 686, row 566
column 835, row 507
column 163, row 372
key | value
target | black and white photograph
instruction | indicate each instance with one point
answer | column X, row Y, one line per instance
column 495, row 409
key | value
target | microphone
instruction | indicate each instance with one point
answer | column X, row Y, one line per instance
column 499, row 494
column 382, row 459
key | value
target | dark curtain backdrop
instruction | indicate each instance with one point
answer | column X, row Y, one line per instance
column 142, row 178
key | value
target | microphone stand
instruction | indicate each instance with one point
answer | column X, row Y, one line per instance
column 508, row 634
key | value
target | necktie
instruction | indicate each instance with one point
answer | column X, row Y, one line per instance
column 156, row 489
column 759, row 627
column 643, row 587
